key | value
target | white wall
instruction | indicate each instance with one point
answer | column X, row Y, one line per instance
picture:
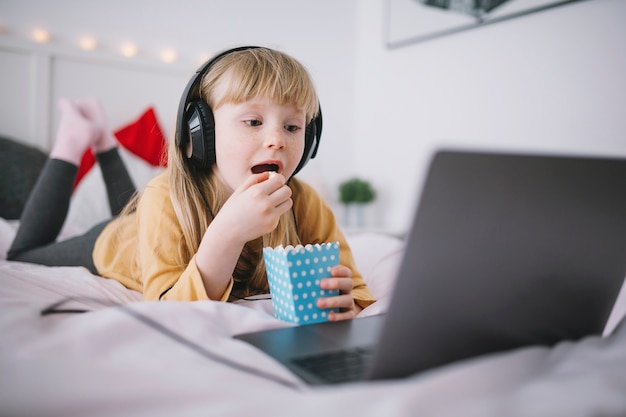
column 553, row 81
column 320, row 34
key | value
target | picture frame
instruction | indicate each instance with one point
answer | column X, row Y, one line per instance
column 414, row 21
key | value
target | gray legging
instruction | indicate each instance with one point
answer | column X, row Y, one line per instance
column 46, row 210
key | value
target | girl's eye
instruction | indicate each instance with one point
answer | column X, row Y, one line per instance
column 253, row 122
column 291, row 128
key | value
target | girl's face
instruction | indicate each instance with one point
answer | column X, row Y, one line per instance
column 255, row 136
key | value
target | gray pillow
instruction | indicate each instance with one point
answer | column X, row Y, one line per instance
column 20, row 165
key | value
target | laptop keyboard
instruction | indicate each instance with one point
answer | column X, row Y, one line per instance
column 341, row 366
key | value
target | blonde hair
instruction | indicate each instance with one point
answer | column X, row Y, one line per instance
column 235, row 78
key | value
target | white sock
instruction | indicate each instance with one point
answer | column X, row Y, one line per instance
column 74, row 135
column 92, row 109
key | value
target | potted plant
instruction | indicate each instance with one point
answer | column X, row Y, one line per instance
column 355, row 194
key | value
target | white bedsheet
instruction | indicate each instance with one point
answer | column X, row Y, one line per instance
column 141, row 358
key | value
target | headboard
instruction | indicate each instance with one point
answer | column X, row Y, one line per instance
column 36, row 76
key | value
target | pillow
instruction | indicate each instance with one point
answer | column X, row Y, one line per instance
column 8, row 228
column 377, row 257
column 20, row 166
column 143, row 137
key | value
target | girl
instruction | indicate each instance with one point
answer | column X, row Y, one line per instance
column 198, row 229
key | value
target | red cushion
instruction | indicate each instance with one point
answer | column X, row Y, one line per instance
column 143, row 137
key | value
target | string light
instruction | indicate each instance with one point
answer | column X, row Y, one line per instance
column 41, row 35
column 129, row 49
column 169, row 55
column 88, row 43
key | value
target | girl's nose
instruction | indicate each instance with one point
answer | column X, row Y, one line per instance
column 274, row 138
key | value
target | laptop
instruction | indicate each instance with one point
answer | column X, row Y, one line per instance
column 506, row 250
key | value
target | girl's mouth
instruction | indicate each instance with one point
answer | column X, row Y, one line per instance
column 257, row 169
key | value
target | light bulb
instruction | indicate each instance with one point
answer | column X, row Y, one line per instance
column 41, row 35
column 129, row 49
column 88, row 43
column 169, row 55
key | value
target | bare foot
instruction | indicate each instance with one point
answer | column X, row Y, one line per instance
column 74, row 135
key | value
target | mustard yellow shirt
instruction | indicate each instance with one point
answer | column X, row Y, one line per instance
column 140, row 249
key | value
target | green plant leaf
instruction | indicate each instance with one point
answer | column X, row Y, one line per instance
column 356, row 190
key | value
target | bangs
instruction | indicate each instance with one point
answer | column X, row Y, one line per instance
column 243, row 75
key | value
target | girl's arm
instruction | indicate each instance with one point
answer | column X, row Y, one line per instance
column 158, row 262
column 253, row 210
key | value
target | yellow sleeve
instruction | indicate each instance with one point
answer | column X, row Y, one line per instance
column 159, row 235
column 316, row 224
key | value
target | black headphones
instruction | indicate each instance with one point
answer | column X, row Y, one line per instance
column 195, row 123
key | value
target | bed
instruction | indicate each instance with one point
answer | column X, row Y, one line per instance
column 75, row 344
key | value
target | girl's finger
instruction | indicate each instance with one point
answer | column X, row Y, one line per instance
column 340, row 271
column 343, row 301
column 343, row 284
column 342, row 315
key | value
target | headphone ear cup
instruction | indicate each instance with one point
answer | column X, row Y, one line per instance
column 311, row 142
column 317, row 122
column 201, row 134
column 312, row 135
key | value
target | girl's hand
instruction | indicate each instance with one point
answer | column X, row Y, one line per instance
column 252, row 210
column 255, row 206
column 341, row 280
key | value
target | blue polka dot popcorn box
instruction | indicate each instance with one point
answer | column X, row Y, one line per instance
column 294, row 275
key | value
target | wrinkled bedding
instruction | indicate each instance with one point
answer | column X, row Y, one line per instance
column 128, row 357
